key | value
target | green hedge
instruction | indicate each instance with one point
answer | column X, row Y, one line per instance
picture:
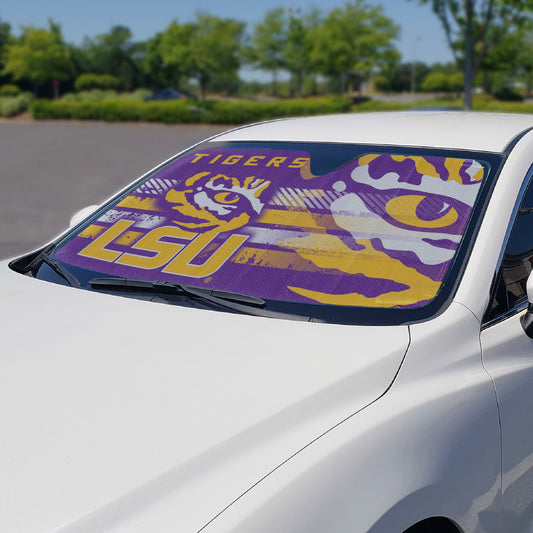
column 129, row 107
column 375, row 105
column 183, row 111
column 86, row 82
column 94, row 95
column 100, row 95
column 11, row 106
column 504, row 107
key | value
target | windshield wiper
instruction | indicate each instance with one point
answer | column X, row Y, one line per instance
column 240, row 303
column 58, row 269
column 165, row 287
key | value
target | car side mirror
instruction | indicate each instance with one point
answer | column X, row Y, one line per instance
column 527, row 319
column 84, row 212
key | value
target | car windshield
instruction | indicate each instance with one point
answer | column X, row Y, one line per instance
column 320, row 229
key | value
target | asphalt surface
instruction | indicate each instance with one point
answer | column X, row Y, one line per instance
column 49, row 170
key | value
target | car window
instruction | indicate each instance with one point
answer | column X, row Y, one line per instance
column 517, row 262
column 328, row 226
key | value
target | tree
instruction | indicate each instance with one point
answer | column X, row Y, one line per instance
column 5, row 39
column 441, row 82
column 456, row 82
column 436, row 82
column 5, row 34
column 116, row 54
column 500, row 62
column 215, row 49
column 510, row 61
column 268, row 43
column 39, row 55
column 206, row 48
column 168, row 58
column 283, row 41
column 155, row 66
column 88, row 82
column 398, row 76
column 524, row 60
column 298, row 44
column 352, row 41
column 473, row 28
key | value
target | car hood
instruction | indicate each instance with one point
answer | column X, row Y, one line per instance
column 119, row 414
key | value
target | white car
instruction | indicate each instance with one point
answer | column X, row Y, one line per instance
column 313, row 325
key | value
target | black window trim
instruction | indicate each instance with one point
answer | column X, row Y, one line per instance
column 520, row 306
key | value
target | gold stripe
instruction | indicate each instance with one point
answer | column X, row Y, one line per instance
column 92, row 231
column 138, row 203
column 273, row 259
column 297, row 219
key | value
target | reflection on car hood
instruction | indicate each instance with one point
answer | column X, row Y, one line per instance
column 118, row 413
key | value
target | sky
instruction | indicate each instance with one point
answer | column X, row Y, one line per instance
column 421, row 38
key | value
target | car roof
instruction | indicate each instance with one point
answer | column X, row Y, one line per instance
column 490, row 132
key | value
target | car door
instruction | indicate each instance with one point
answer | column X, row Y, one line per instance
column 508, row 357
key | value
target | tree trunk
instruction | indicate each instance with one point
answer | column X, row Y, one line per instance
column 203, row 85
column 274, row 80
column 55, row 87
column 486, row 82
column 342, row 82
column 314, row 85
column 469, row 83
column 299, row 84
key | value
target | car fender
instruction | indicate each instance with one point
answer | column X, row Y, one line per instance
column 429, row 447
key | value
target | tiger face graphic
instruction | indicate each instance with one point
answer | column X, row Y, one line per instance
column 216, row 202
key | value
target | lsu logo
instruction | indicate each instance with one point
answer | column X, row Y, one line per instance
column 200, row 211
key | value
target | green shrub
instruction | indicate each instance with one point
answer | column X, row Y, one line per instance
column 456, row 82
column 9, row 89
column 11, row 106
column 435, row 82
column 93, row 95
column 241, row 112
column 100, row 95
column 380, row 83
column 86, row 82
column 181, row 111
column 508, row 94
column 138, row 94
column 377, row 105
column 114, row 110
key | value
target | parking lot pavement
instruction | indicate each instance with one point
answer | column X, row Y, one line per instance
column 49, row 170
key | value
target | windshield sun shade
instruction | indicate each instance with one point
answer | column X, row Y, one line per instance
column 379, row 231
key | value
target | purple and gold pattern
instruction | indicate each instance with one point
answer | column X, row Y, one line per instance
column 381, row 231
